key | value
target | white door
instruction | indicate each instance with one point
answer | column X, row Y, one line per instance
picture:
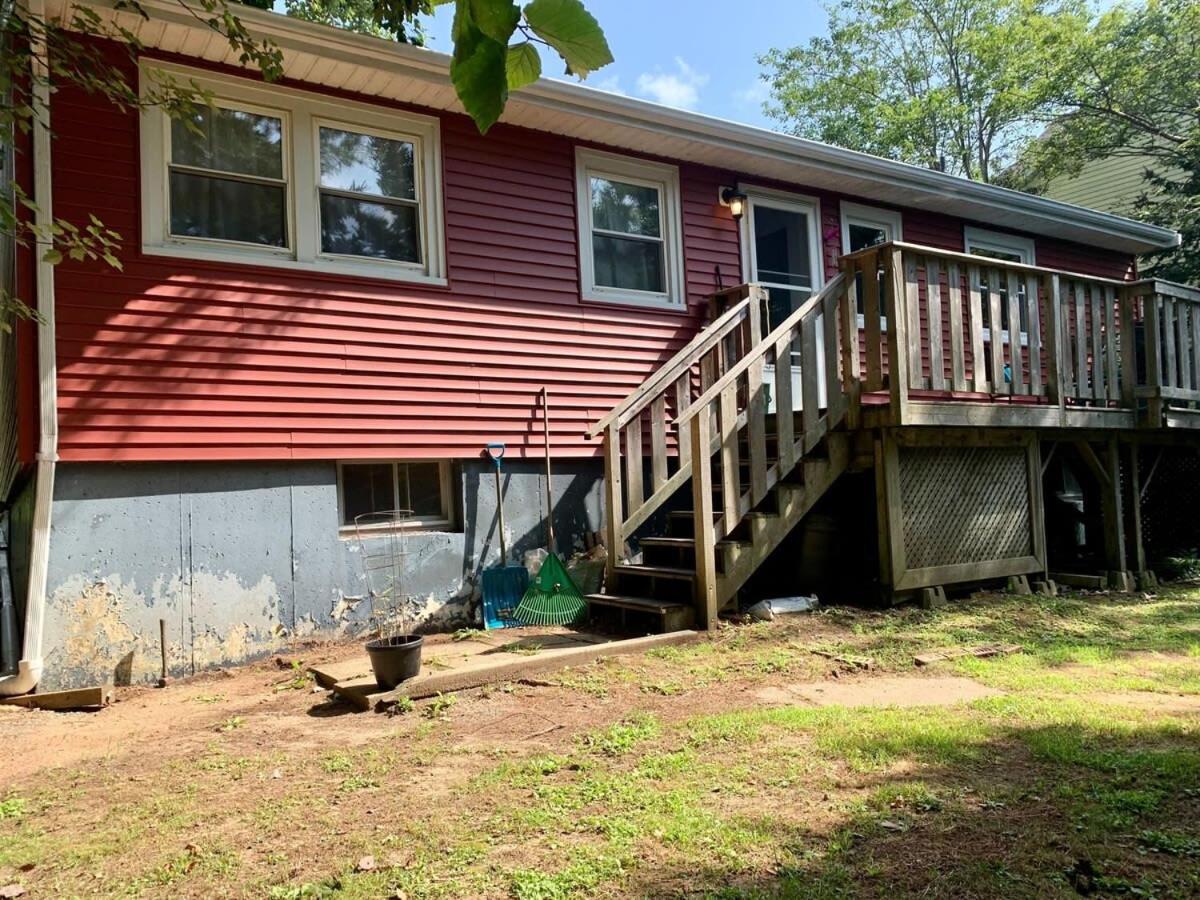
column 784, row 255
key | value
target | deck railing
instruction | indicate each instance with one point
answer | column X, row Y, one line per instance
column 630, row 497
column 1165, row 369
column 963, row 324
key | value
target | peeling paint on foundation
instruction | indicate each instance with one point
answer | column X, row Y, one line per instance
column 242, row 558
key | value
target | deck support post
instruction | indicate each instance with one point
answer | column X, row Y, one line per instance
column 703, row 536
column 1107, row 470
column 1146, row 579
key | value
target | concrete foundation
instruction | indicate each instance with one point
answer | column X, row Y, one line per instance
column 239, row 558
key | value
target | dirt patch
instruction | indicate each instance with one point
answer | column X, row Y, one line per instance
column 1163, row 703
column 885, row 691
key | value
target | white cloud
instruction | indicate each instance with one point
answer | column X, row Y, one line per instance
column 753, row 95
column 612, row 84
column 680, row 88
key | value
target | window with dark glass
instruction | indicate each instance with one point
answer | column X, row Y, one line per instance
column 227, row 177
column 627, row 235
column 419, row 489
column 368, row 192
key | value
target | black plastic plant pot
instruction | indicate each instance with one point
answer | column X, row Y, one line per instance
column 395, row 659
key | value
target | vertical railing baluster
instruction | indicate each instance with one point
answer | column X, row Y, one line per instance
column 1015, row 353
column 613, row 497
column 1082, row 385
column 897, row 335
column 1110, row 342
column 658, row 442
column 1033, row 315
column 1055, row 357
column 868, row 267
column 809, row 383
column 975, row 314
column 1099, row 392
column 996, row 322
column 933, row 314
column 731, row 487
column 958, row 363
column 914, row 351
column 785, row 420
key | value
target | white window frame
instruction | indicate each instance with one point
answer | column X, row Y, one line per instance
column 889, row 221
column 301, row 112
column 665, row 178
column 810, row 206
column 1001, row 242
column 444, row 522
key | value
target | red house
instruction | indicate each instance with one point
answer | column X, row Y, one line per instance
column 335, row 292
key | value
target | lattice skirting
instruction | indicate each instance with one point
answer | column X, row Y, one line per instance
column 954, row 510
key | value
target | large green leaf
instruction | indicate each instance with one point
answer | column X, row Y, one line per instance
column 571, row 30
column 524, row 65
column 478, row 70
column 495, row 18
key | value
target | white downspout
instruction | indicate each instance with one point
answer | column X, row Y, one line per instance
column 29, row 669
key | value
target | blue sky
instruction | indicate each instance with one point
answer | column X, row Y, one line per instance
column 699, row 55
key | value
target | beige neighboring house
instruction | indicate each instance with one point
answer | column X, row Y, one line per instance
column 1112, row 185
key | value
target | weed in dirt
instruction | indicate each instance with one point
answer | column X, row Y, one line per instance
column 439, row 707
column 12, row 807
column 1170, row 842
column 402, row 706
column 622, row 737
column 231, row 724
column 664, row 688
column 209, row 698
column 337, row 762
column 468, row 634
column 357, row 783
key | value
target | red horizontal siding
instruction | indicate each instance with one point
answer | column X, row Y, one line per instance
column 180, row 359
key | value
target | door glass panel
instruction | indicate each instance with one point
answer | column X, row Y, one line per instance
column 782, row 259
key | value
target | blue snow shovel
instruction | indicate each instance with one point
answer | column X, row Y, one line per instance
column 503, row 585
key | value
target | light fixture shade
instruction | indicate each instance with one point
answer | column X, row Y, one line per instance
column 735, row 200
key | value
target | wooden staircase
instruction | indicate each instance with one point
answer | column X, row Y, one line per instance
column 752, row 474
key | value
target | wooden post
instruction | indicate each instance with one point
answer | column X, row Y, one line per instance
column 898, row 337
column 1135, row 511
column 1153, row 344
column 702, row 520
column 1054, row 342
column 614, row 530
column 1128, row 349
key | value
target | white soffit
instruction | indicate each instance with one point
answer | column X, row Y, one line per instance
column 370, row 66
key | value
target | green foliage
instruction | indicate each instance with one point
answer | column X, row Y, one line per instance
column 1130, row 89
column 12, row 808
column 945, row 84
column 495, row 51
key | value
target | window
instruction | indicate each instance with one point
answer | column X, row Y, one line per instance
column 867, row 226
column 226, row 177
column 422, row 488
column 275, row 176
column 368, row 196
column 1007, row 248
column 629, row 246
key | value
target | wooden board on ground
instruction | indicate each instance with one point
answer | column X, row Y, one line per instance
column 924, row 659
column 445, row 670
column 76, row 698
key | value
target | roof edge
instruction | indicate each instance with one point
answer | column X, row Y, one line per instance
column 704, row 129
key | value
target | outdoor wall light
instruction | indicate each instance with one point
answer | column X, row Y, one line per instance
column 735, row 200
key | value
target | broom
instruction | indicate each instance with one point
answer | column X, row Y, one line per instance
column 552, row 598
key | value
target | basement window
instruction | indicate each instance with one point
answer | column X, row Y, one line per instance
column 422, row 488
column 630, row 249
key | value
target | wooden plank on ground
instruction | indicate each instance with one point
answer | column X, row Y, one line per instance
column 443, row 682
column 76, row 698
column 985, row 650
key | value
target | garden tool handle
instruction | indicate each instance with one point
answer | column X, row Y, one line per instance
column 495, row 452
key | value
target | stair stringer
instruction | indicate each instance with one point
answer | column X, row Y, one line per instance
column 767, row 530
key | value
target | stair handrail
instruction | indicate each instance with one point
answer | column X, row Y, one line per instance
column 760, row 350
column 715, row 432
column 674, row 368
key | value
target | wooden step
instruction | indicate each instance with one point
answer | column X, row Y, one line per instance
column 654, row 571
column 682, row 551
column 670, row 615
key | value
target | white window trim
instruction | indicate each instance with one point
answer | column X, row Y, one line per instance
column 889, row 221
column 810, row 206
column 1001, row 242
column 636, row 171
column 444, row 522
column 301, row 112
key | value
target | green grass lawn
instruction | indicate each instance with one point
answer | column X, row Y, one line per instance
column 671, row 778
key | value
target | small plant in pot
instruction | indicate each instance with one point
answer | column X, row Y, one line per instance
column 395, row 652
